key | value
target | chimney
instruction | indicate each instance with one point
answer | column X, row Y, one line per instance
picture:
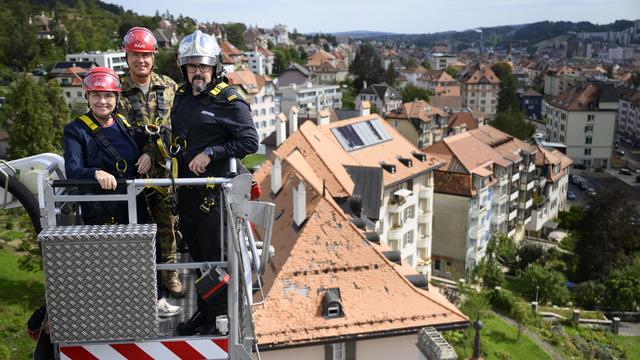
column 299, row 203
column 276, row 175
column 364, row 84
column 281, row 129
column 365, row 108
column 323, row 117
column 293, row 119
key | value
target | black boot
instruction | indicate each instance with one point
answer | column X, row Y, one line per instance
column 193, row 325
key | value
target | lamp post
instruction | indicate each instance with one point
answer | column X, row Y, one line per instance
column 537, row 287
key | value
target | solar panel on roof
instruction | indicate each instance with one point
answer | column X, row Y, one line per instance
column 358, row 135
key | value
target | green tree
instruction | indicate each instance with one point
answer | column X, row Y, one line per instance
column 589, row 294
column 281, row 60
column 18, row 37
column 33, row 126
column 570, row 219
column 512, row 122
column 528, row 253
column 412, row 92
column 390, row 75
column 490, row 273
column 166, row 64
column 235, row 34
column 551, row 285
column 366, row 66
column 452, row 71
column 608, row 236
column 521, row 314
column 623, row 288
column 426, row 64
column 503, row 249
column 507, row 97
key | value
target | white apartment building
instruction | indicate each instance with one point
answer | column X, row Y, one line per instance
column 480, row 87
column 486, row 187
column 550, row 192
column 441, row 61
column 583, row 118
column 628, row 116
column 310, row 99
column 384, row 96
column 259, row 91
column 260, row 60
column 115, row 60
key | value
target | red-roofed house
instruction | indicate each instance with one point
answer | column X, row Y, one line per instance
column 419, row 122
column 480, row 87
column 329, row 292
column 70, row 80
column 259, row 91
column 485, row 187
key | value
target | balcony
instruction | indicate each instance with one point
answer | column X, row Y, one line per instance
column 532, row 166
column 504, row 180
column 530, row 185
column 515, row 177
column 426, row 193
column 395, row 233
column 424, row 218
column 513, row 196
column 424, row 241
column 513, row 214
column 528, row 204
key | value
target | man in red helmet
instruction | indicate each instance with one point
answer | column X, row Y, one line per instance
column 146, row 99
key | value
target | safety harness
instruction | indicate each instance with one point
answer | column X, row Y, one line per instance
column 96, row 131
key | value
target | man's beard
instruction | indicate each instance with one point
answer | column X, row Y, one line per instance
column 200, row 86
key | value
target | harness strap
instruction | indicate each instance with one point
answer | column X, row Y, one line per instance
column 96, row 130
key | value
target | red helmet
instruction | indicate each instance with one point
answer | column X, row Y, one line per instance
column 101, row 79
column 139, row 39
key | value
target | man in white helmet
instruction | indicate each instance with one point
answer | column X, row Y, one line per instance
column 211, row 122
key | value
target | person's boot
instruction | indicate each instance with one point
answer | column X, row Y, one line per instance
column 171, row 282
column 193, row 325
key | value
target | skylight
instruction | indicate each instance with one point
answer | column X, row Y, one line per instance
column 359, row 135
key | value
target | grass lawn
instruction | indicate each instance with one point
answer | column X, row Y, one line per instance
column 20, row 293
column 568, row 313
column 252, row 160
column 630, row 344
column 498, row 341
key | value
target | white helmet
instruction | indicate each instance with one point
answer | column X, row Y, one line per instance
column 199, row 46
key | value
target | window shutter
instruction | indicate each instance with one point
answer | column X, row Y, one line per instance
column 350, row 350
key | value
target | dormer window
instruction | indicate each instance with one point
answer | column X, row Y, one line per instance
column 331, row 304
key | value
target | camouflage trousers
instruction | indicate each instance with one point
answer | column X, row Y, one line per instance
column 160, row 210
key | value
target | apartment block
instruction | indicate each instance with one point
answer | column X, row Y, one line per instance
column 486, row 187
column 114, row 60
column 583, row 118
column 480, row 87
column 310, row 98
column 259, row 91
column 628, row 116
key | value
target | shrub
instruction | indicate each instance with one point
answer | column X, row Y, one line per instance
column 502, row 300
column 551, row 285
column 589, row 294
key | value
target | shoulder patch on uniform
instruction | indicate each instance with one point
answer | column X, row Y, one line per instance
column 232, row 97
column 124, row 120
column 218, row 88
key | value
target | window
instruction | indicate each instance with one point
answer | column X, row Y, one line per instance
column 588, row 129
column 68, row 94
column 338, row 351
column 407, row 239
column 588, row 140
column 563, row 116
column 436, row 265
column 409, row 212
column 483, row 94
column 561, row 127
column 395, row 123
column 587, row 151
column 482, row 102
column 591, row 117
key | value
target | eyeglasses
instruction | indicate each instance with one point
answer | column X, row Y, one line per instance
column 204, row 68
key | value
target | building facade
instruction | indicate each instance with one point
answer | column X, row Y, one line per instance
column 114, row 60
column 479, row 89
column 309, row 98
column 583, row 118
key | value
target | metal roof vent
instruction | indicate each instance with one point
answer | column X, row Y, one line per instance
column 372, row 236
column 393, row 256
column 390, row 168
column 420, row 156
column 331, row 304
column 418, row 280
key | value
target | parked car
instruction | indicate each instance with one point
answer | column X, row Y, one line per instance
column 571, row 195
column 625, row 171
column 619, row 152
column 591, row 192
column 584, row 186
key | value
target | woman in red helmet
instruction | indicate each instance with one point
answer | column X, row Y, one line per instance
column 100, row 145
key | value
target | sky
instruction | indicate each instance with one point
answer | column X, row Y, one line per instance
column 398, row 16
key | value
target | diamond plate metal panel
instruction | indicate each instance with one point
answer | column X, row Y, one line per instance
column 100, row 282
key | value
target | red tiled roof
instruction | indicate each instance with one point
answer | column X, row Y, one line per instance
column 480, row 74
column 463, row 118
column 328, row 251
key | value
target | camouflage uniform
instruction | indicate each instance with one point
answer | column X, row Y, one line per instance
column 155, row 109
